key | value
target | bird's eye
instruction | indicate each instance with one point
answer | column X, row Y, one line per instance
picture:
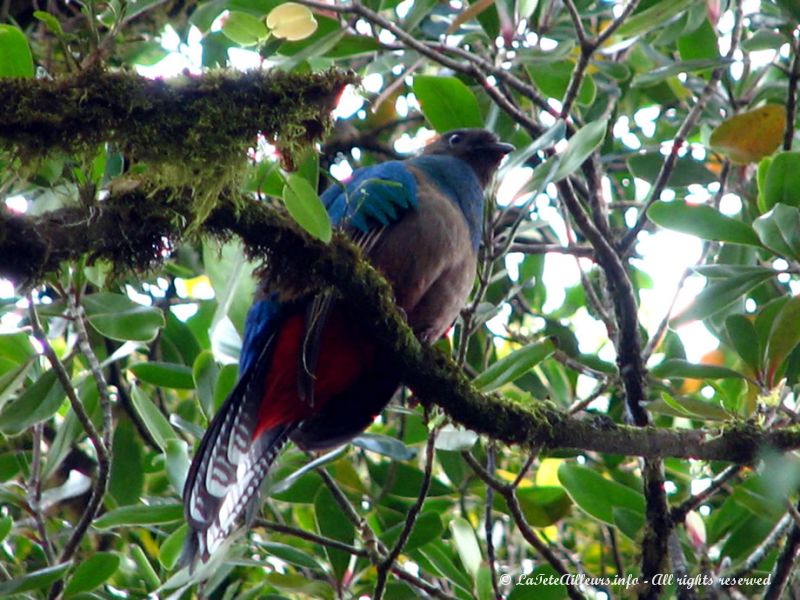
column 454, row 139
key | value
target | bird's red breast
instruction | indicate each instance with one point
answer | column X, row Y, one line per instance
column 344, row 354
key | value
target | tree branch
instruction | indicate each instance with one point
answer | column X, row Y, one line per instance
column 305, row 265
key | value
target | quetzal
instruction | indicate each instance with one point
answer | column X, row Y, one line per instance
column 307, row 372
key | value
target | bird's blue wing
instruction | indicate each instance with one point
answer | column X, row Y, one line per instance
column 374, row 196
column 262, row 322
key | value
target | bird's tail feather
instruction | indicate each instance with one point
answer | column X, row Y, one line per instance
column 217, row 503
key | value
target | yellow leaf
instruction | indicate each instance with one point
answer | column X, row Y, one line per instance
column 748, row 137
column 547, row 473
column 291, row 21
column 509, row 476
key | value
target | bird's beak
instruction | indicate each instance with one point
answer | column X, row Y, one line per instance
column 501, row 148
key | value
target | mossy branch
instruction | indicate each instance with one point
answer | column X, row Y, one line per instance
column 189, row 119
column 113, row 231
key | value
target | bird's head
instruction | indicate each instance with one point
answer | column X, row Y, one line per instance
column 480, row 149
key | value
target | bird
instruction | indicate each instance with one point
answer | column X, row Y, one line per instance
column 311, row 375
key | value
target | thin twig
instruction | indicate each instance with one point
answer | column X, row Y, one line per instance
column 629, row 354
column 765, row 547
column 371, row 541
column 35, row 492
column 679, row 568
column 104, row 458
column 679, row 512
column 411, row 518
column 509, row 493
column 488, row 525
column 477, row 67
column 311, row 537
column 785, row 565
column 354, row 550
column 680, row 138
column 100, row 447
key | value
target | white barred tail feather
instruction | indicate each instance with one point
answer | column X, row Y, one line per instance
column 229, row 466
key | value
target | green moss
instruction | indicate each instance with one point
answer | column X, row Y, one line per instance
column 191, row 132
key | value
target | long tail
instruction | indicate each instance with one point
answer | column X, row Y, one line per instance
column 226, row 474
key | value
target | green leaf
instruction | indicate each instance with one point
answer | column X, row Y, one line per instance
column 298, row 585
column 743, row 336
column 597, row 495
column 166, row 375
column 306, row 208
column 205, row 14
column 35, row 580
column 655, row 16
column 679, row 368
column 120, row 318
column 782, row 183
column 16, row 347
column 353, row 45
column 702, row 221
column 171, row 547
column 579, row 147
column 515, row 365
column 447, row 103
column 231, row 277
column 466, row 544
column 127, row 465
column 92, row 572
column 244, row 29
column 144, row 569
column 331, row 523
column 764, row 39
column 784, row 335
column 720, row 294
column 37, row 403
column 53, row 24
column 726, row 271
column 205, row 372
column 225, row 384
column 155, row 421
column 441, row 559
column 778, row 230
column 15, row 54
column 427, row 528
column 132, row 516
column 687, row 171
column 629, row 522
column 6, row 525
column 543, row 505
column 405, row 480
column 291, row 555
column 553, row 78
column 791, row 8
column 177, row 462
column 483, row 584
column 385, row 445
column 700, row 44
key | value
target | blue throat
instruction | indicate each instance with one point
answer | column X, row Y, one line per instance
column 456, row 179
